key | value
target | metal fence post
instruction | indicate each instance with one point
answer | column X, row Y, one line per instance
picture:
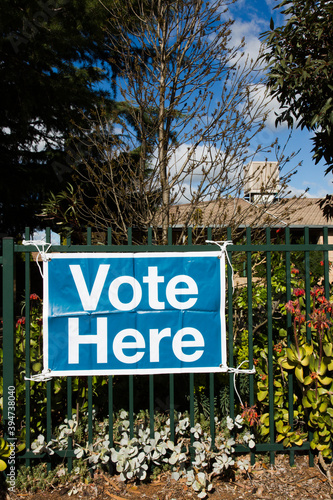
column 8, row 325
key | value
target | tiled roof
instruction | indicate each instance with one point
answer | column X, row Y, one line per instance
column 308, row 213
column 237, row 211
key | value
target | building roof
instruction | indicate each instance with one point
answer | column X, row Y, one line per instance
column 292, row 212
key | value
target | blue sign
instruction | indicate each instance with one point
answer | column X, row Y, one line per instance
column 142, row 313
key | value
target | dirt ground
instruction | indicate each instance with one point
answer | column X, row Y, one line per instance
column 263, row 482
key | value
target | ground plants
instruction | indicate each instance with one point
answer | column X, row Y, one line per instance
column 38, row 477
column 192, row 454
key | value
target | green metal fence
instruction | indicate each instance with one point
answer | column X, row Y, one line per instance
column 13, row 253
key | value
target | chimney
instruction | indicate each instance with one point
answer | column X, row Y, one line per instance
column 261, row 181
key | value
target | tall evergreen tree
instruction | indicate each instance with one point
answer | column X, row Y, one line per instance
column 300, row 60
column 53, row 62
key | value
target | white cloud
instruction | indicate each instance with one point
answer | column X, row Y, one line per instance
column 294, row 191
column 315, row 189
column 250, row 31
column 272, row 106
column 209, row 158
column 202, row 155
column 271, row 3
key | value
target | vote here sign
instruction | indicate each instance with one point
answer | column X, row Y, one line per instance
column 141, row 313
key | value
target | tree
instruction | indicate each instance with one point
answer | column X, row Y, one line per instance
column 205, row 106
column 300, row 73
column 53, row 61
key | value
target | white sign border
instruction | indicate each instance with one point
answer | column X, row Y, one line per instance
column 126, row 371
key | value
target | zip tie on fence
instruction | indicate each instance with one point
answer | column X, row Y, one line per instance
column 40, row 377
column 223, row 247
column 236, row 371
column 41, row 252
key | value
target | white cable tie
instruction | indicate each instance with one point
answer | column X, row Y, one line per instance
column 237, row 371
column 40, row 377
column 223, row 247
column 41, row 252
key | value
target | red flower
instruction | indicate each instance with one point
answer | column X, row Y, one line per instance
column 289, row 307
column 317, row 290
column 299, row 292
column 300, row 318
column 20, row 321
column 278, row 347
column 34, row 296
column 321, row 262
column 250, row 414
column 294, row 271
column 319, row 320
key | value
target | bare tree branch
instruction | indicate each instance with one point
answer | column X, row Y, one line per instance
column 195, row 107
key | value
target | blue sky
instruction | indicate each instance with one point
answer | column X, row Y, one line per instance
column 252, row 17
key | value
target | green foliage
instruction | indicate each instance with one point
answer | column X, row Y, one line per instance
column 4, row 453
column 300, row 70
column 38, row 396
column 242, row 350
column 312, row 363
column 53, row 62
column 201, row 403
column 33, row 479
column 224, row 400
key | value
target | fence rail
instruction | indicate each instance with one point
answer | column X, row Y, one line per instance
column 16, row 260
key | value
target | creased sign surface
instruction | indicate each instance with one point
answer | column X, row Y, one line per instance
column 134, row 313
